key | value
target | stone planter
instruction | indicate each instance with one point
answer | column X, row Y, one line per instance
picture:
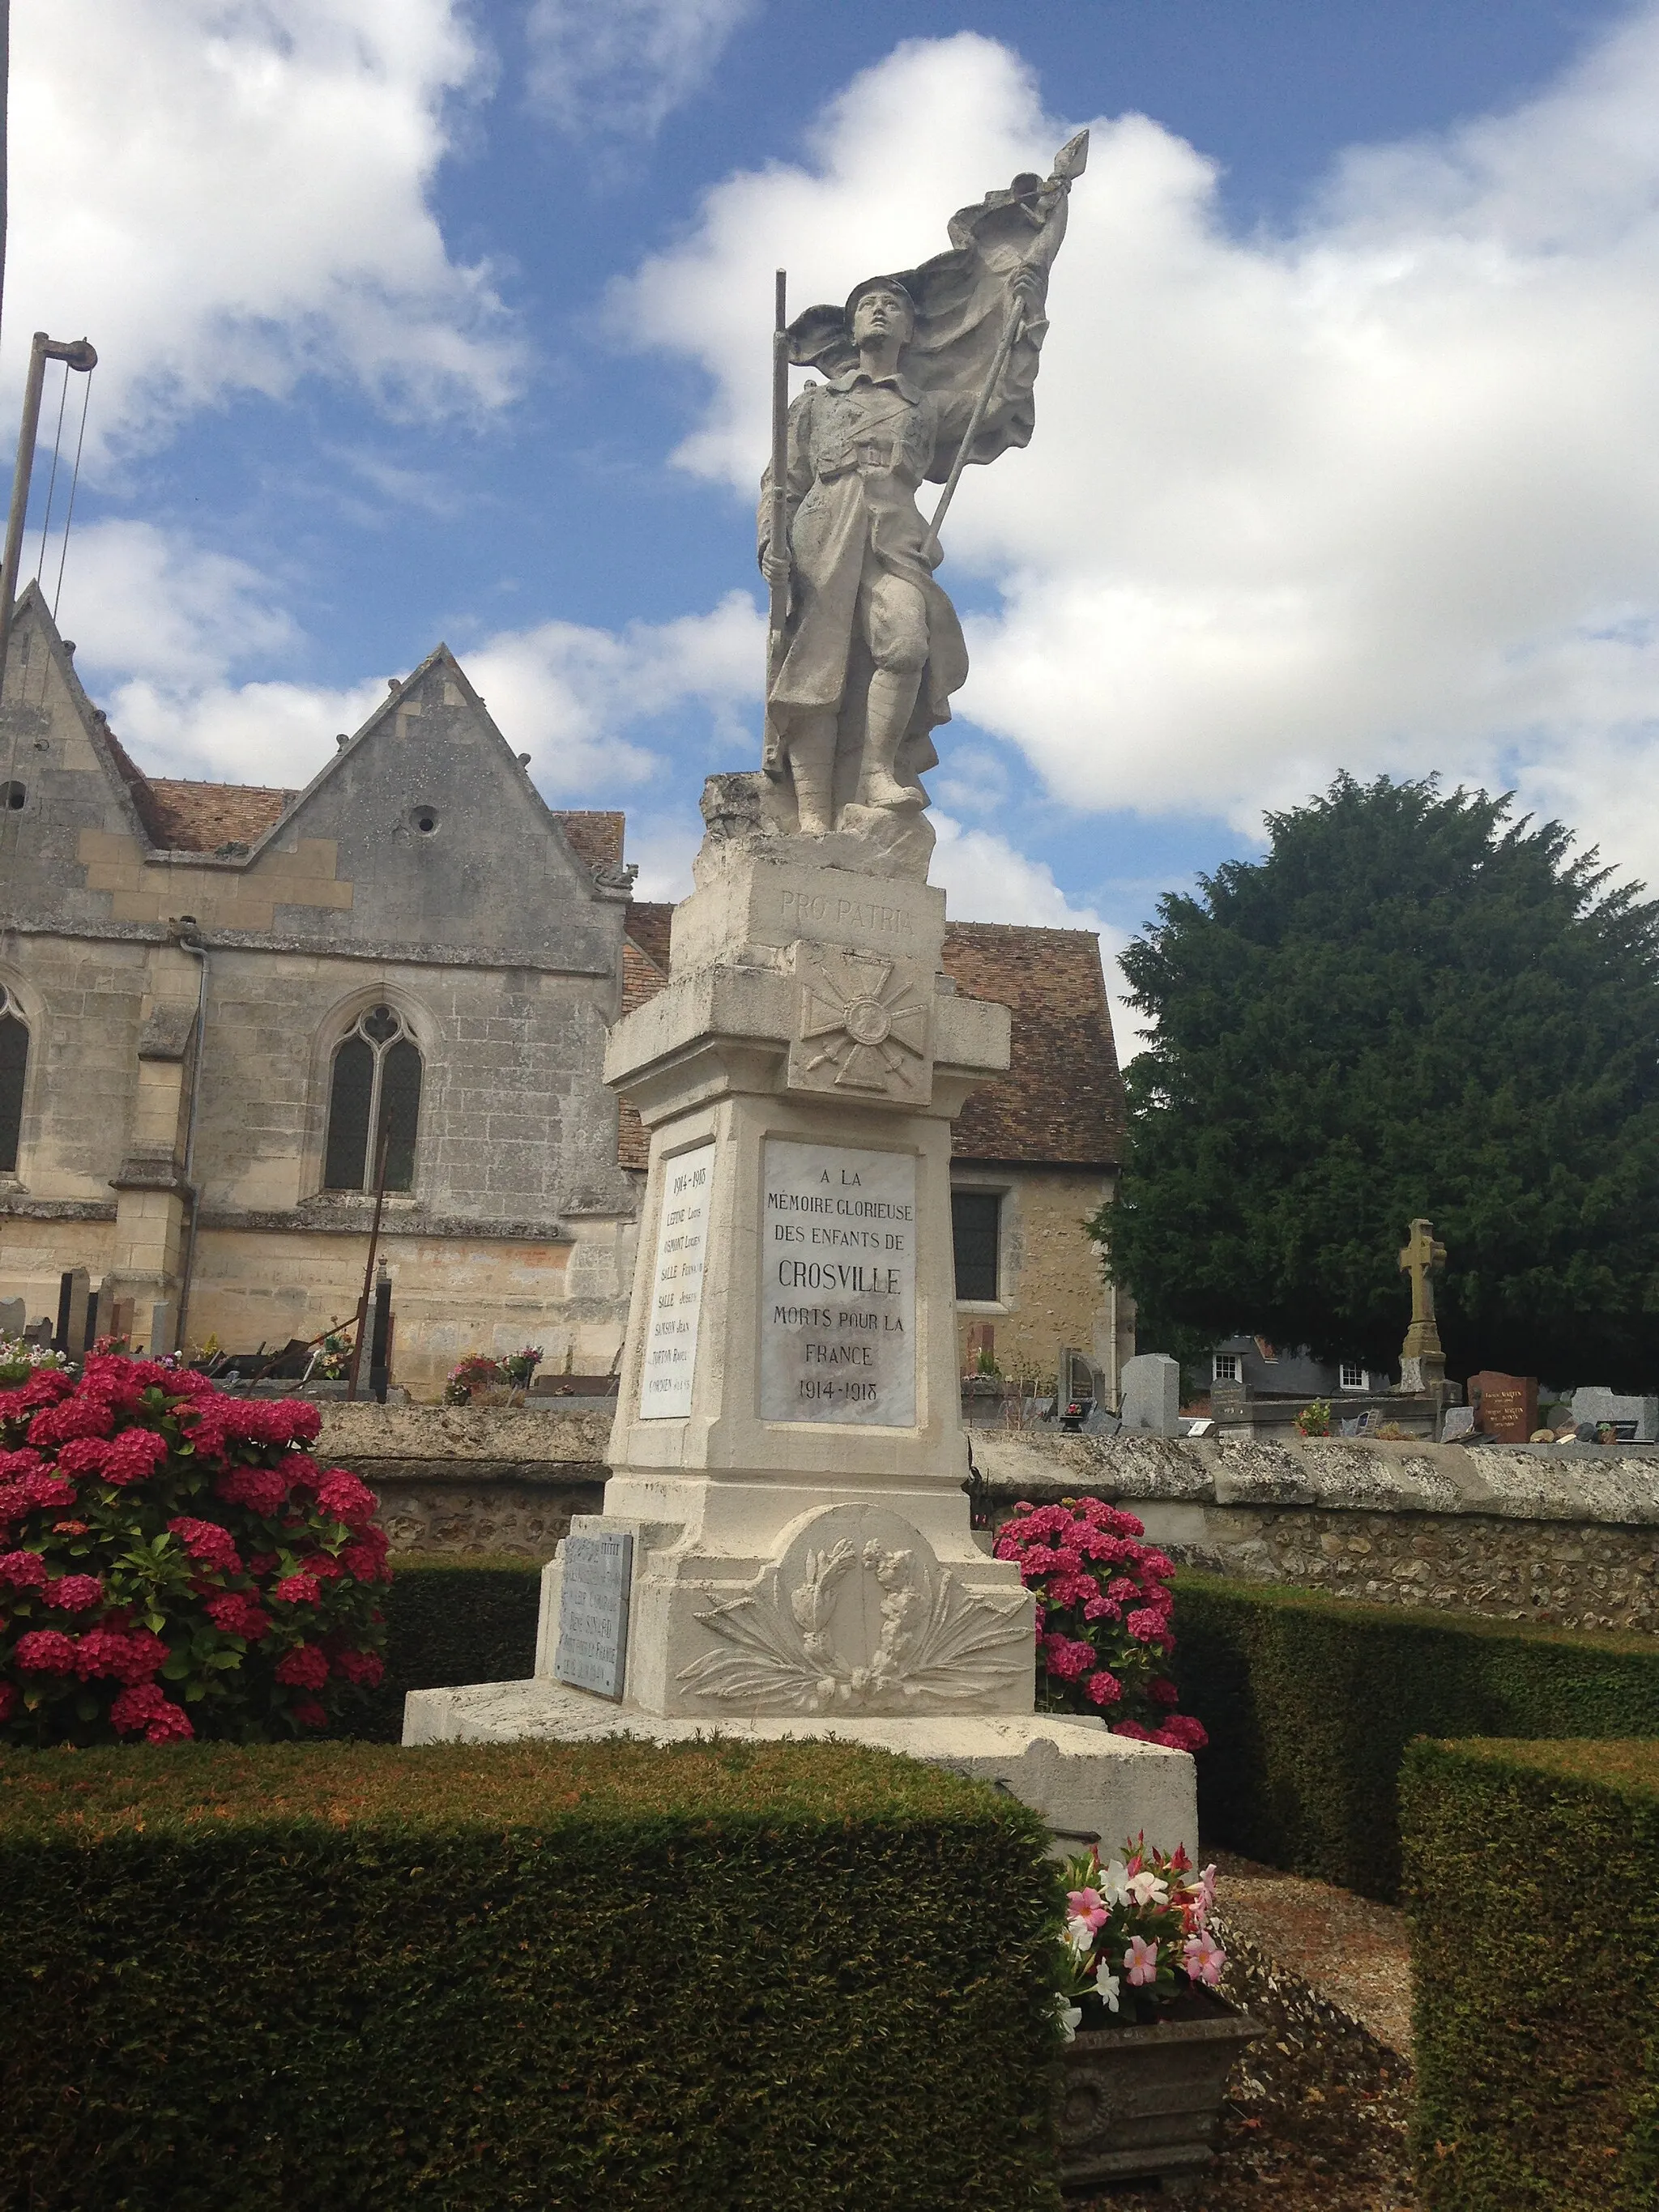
column 1147, row 2100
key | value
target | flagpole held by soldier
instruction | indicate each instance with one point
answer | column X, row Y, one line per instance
column 772, row 757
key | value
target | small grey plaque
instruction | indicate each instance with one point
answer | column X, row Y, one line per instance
column 592, row 1652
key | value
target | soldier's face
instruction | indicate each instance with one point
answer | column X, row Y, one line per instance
column 881, row 314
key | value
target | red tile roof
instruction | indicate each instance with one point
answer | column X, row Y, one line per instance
column 643, row 976
column 648, row 924
column 1062, row 1102
column 183, row 816
column 595, row 836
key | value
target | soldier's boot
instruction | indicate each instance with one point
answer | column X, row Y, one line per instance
column 892, row 703
column 812, row 766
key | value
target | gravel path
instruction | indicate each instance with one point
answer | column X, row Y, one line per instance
column 1317, row 2111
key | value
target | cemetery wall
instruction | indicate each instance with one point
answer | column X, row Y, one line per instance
column 462, row 1479
column 1566, row 1535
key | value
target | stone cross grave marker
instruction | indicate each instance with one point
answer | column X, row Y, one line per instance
column 1422, row 1357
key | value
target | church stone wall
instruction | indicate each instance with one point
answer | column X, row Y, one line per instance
column 1054, row 1293
column 451, row 1295
column 84, row 1002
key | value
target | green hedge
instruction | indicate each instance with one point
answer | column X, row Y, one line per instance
column 467, row 1618
column 1533, row 1882
column 718, row 1978
column 1311, row 1702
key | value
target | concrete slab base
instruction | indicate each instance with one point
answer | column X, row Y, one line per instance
column 1083, row 1780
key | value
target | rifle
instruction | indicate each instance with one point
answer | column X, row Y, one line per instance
column 778, row 533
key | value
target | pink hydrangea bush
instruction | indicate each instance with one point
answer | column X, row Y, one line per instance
column 1137, row 1936
column 174, row 1563
column 1104, row 1603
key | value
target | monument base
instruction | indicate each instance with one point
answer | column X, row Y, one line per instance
column 1081, row 1780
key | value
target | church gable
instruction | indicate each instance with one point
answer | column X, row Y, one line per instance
column 433, row 823
column 68, row 785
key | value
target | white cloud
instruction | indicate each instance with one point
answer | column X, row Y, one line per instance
column 986, row 880
column 624, row 65
column 151, row 606
column 565, row 693
column 271, row 733
column 167, row 627
column 664, row 847
column 1381, row 493
column 225, row 194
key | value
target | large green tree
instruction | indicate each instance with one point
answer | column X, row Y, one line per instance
column 1415, row 1005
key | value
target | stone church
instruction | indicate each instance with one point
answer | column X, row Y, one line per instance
column 226, row 1011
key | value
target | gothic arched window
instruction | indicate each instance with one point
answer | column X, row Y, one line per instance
column 14, row 1065
column 375, row 1085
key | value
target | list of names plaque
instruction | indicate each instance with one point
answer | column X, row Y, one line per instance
column 838, row 1286
column 592, row 1651
column 670, row 1342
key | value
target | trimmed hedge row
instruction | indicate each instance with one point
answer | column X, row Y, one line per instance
column 1311, row 1702
column 745, row 1978
column 450, row 1618
column 1533, row 1885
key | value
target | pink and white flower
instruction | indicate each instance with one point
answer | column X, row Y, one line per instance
column 1141, row 1961
column 1114, row 1883
column 1204, row 1958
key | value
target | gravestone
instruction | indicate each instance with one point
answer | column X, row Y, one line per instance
column 74, row 1296
column 1505, row 1406
column 1151, row 1394
column 592, row 1651
column 13, row 1317
column 1636, row 1419
column 120, row 1320
column 1459, row 1422
column 161, row 1329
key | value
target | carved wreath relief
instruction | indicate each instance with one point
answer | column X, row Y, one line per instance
column 862, row 1026
column 939, row 1645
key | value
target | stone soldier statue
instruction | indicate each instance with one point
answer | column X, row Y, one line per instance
column 925, row 371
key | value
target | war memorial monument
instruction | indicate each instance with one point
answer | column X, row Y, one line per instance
column 785, row 1547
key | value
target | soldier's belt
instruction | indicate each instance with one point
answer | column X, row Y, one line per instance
column 867, row 453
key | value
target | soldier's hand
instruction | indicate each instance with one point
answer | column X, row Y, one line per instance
column 775, row 567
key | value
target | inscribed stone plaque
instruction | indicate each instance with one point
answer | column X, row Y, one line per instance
column 1506, row 1405
column 838, row 1286
column 670, row 1340
column 592, row 1652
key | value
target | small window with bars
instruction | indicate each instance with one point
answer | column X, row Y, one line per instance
column 1351, row 1376
column 374, row 1090
column 14, row 1066
column 976, row 1235
column 1225, row 1367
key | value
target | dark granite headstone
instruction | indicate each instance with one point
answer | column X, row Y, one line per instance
column 1506, row 1405
column 592, row 1652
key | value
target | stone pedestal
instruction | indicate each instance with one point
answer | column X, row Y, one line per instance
column 787, row 1454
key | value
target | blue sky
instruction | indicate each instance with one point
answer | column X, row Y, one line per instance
column 421, row 319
